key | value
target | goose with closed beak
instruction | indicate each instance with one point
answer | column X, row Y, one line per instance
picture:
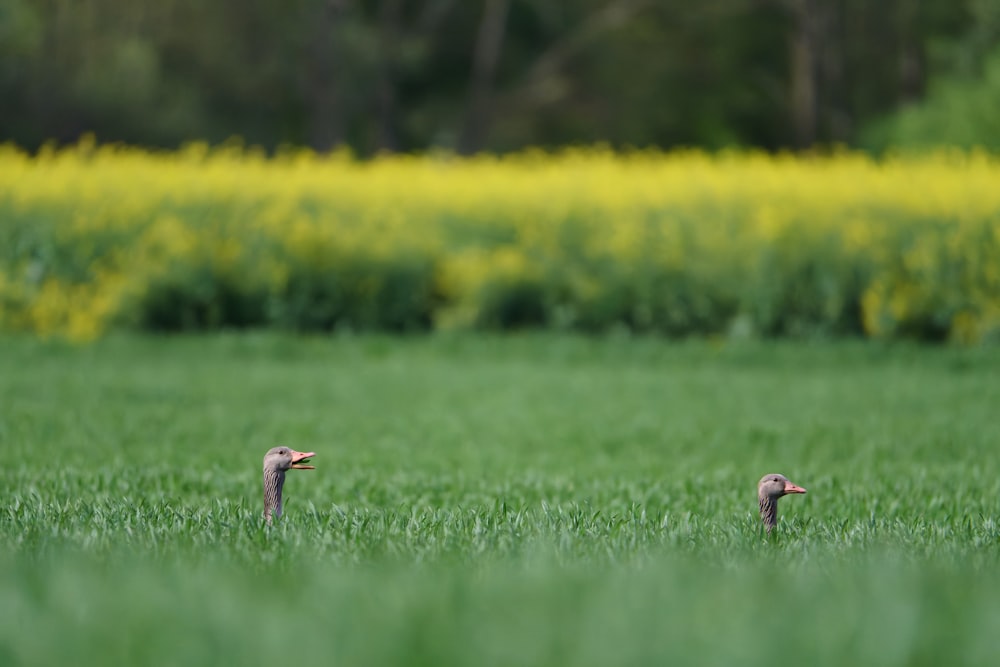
column 771, row 487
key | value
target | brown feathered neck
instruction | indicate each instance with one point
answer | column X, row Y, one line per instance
column 274, row 480
column 768, row 511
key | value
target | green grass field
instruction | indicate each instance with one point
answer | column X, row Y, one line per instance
column 525, row 500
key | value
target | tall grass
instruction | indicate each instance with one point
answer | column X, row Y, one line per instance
column 530, row 500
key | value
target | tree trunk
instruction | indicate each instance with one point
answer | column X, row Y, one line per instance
column 325, row 121
column 803, row 51
column 389, row 36
column 911, row 61
column 487, row 53
column 834, row 86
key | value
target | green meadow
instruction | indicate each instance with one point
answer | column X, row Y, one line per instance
column 497, row 500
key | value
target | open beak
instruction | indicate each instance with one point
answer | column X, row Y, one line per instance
column 789, row 488
column 299, row 459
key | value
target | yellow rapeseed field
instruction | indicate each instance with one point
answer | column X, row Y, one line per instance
column 96, row 237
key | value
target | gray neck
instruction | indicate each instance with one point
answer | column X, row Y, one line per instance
column 769, row 512
column 273, row 481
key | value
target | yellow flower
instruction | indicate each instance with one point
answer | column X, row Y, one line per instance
column 86, row 230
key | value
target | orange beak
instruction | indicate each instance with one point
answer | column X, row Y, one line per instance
column 299, row 459
column 789, row 488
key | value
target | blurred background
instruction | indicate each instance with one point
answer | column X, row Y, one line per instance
column 500, row 75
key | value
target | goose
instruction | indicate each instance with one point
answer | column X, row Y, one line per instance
column 771, row 487
column 276, row 462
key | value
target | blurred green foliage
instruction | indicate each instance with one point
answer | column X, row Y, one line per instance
column 405, row 75
column 959, row 111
